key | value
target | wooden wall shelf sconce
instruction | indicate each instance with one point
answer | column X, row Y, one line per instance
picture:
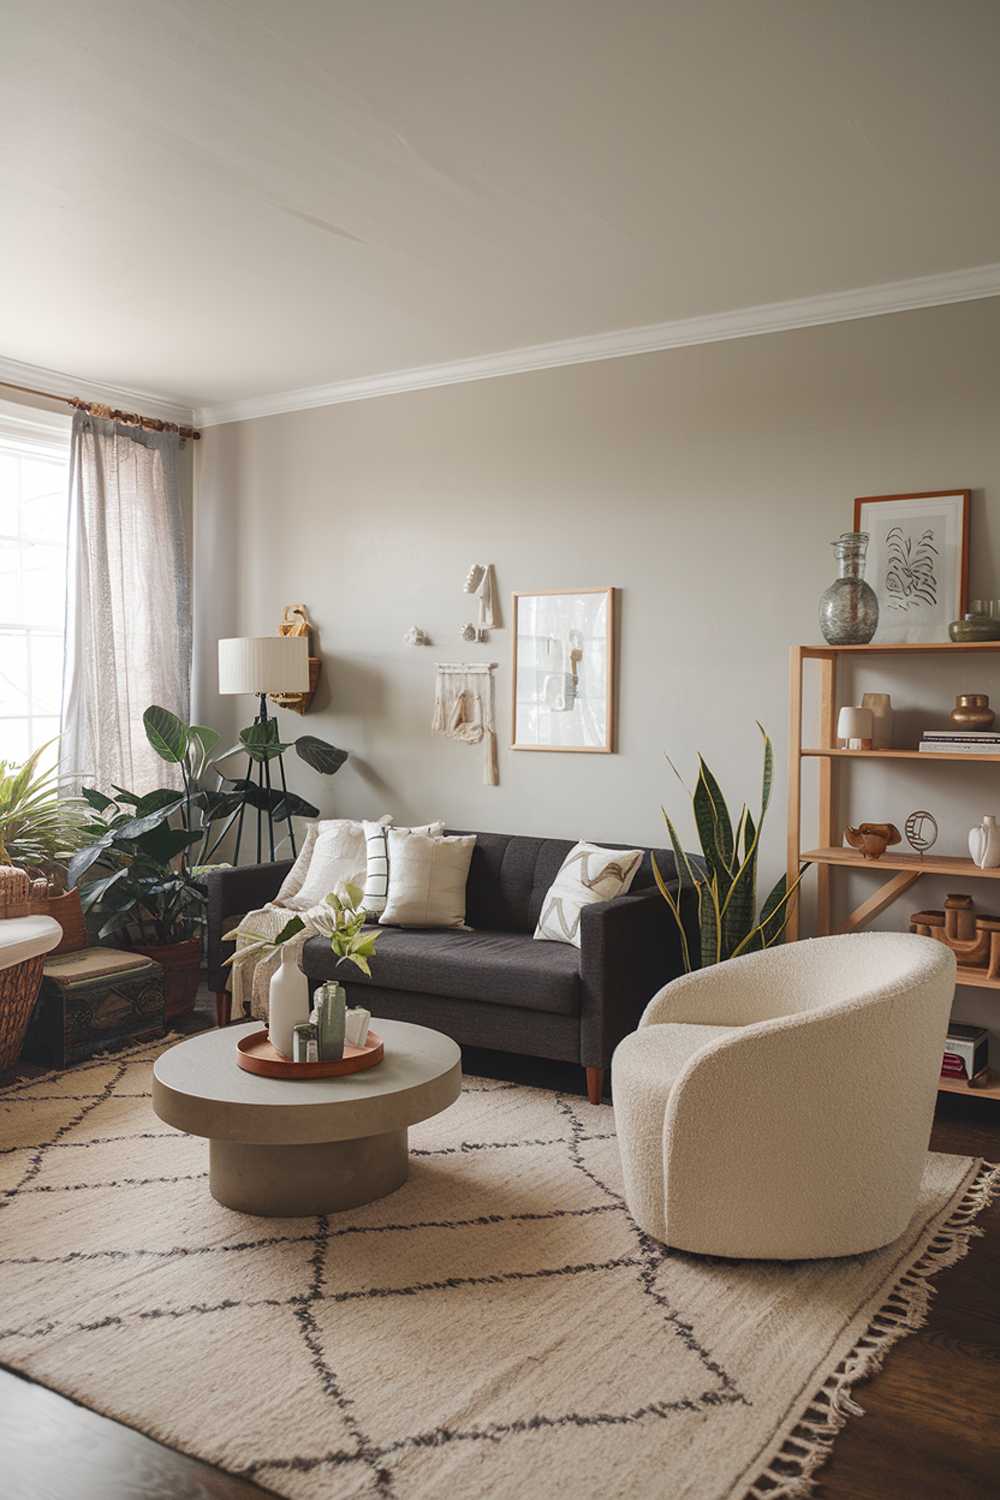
column 295, row 621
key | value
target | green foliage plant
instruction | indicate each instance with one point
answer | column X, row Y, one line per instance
column 725, row 885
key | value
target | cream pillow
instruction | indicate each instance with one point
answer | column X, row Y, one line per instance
column 588, row 874
column 337, row 854
column 427, row 876
column 292, row 883
column 376, row 877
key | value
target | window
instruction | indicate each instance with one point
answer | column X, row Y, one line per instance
column 34, row 482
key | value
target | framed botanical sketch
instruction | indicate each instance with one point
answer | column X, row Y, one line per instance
column 918, row 561
column 564, row 670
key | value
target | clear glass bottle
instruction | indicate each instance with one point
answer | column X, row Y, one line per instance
column 848, row 609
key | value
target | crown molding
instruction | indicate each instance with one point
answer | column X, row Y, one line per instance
column 122, row 396
column 741, row 323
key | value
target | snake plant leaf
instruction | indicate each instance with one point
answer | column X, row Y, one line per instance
column 709, row 922
column 714, row 832
column 320, row 755
column 675, row 910
column 167, row 734
column 768, row 775
column 723, row 827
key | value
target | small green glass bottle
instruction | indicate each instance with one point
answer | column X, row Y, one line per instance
column 330, row 1003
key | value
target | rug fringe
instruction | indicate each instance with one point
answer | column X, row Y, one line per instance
column 790, row 1474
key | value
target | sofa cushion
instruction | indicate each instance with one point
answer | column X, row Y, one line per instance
column 510, row 875
column 502, row 968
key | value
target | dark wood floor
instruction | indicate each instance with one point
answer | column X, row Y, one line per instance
column 931, row 1429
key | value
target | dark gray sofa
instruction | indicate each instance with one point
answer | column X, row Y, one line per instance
column 493, row 986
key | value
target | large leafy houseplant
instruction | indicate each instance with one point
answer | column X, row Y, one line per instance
column 40, row 826
column 725, row 884
column 149, row 852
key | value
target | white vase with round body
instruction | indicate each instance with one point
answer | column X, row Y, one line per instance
column 288, row 1002
column 984, row 844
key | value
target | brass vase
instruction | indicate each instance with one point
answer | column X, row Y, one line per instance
column 972, row 711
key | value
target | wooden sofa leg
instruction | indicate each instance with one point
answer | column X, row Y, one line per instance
column 223, row 1007
column 595, row 1085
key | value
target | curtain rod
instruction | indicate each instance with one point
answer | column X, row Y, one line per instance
column 98, row 409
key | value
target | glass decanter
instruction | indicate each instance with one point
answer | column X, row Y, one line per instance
column 848, row 609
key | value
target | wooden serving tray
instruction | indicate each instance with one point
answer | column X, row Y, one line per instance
column 255, row 1054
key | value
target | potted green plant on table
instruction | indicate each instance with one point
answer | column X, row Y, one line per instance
column 145, row 854
column 41, row 826
column 725, row 884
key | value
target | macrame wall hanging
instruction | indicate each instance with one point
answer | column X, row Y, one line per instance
column 464, row 709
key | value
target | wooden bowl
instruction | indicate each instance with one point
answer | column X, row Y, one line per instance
column 255, row 1054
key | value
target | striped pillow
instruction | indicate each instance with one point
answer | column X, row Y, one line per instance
column 377, row 872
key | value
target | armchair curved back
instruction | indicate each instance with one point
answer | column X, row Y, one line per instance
column 804, row 1130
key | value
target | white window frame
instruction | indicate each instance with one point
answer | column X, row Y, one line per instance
column 33, row 432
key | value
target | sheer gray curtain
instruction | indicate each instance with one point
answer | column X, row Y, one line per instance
column 128, row 607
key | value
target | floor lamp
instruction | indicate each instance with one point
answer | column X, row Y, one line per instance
column 262, row 664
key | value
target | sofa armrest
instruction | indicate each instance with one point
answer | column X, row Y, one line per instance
column 629, row 948
column 231, row 893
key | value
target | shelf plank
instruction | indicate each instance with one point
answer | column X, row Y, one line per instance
column 913, row 647
column 927, row 864
column 976, row 978
column 923, row 755
column 957, row 1086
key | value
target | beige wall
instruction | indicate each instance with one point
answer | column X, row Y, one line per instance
column 706, row 483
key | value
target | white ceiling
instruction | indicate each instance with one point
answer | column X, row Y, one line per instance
column 217, row 199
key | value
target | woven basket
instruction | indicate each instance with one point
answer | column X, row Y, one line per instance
column 19, row 988
column 65, row 908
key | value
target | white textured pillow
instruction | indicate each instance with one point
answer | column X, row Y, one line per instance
column 427, row 876
column 376, row 876
column 292, row 883
column 588, row 874
column 338, row 854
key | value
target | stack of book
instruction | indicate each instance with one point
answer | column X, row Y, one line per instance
column 966, row 1054
column 961, row 742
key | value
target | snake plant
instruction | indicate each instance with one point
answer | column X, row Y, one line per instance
column 725, row 884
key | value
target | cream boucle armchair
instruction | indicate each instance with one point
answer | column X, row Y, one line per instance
column 780, row 1105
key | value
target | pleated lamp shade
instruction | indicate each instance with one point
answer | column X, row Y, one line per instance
column 264, row 664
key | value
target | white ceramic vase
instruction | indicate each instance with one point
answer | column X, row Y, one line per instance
column 288, row 1002
column 879, row 705
column 855, row 727
column 984, row 844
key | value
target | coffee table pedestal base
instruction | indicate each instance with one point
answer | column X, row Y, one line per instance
column 288, row 1181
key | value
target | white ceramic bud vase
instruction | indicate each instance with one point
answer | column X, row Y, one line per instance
column 288, row 1002
column 984, row 844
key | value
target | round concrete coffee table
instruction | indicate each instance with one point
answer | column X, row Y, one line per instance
column 284, row 1148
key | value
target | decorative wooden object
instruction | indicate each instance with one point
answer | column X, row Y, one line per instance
column 873, row 839
column 973, row 937
column 255, row 1054
column 830, row 856
column 295, row 621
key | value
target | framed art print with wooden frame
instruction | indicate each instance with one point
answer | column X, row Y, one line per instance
column 918, row 561
column 564, row 671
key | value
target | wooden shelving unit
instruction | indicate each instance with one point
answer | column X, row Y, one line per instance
column 830, row 855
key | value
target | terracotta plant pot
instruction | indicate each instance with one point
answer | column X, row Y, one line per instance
column 181, row 964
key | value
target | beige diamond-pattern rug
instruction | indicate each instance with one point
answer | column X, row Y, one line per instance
column 498, row 1326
